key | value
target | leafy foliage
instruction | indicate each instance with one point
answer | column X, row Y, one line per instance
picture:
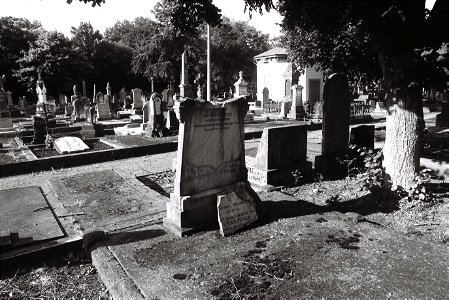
column 53, row 56
column 185, row 16
column 94, row 2
column 16, row 36
column 132, row 34
column 85, row 38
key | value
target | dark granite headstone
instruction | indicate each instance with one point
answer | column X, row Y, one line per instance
column 363, row 136
column 336, row 110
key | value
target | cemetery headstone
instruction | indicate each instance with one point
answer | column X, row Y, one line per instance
column 103, row 108
column 336, row 110
column 363, row 136
column 122, row 95
column 155, row 116
column 40, row 129
column 170, row 101
column 297, row 110
column 235, row 211
column 147, row 108
column 62, row 101
column 69, row 144
column 9, row 98
column 265, row 97
column 241, row 86
column 210, row 163
column 22, row 102
column 137, row 99
column 79, row 109
column 127, row 103
column 282, row 150
column 69, row 109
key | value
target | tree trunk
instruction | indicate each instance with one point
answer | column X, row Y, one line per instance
column 403, row 139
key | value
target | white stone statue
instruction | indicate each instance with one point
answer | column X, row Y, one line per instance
column 41, row 91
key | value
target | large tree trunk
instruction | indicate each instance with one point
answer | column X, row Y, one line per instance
column 403, row 140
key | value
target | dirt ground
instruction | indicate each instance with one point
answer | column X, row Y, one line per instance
column 73, row 277
column 69, row 276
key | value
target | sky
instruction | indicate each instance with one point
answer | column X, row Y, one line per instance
column 60, row 16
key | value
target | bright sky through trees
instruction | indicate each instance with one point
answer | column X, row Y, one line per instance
column 57, row 14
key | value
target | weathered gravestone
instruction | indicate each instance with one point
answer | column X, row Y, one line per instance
column 22, row 102
column 122, row 95
column 235, row 211
column 241, row 86
column 336, row 108
column 137, row 100
column 79, row 110
column 68, row 109
column 40, row 129
column 155, row 118
column 265, row 98
column 69, row 144
column 297, row 110
column 9, row 98
column 62, row 101
column 281, row 151
column 210, row 164
column 103, row 108
column 363, row 136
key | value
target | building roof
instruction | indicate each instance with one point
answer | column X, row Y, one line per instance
column 276, row 51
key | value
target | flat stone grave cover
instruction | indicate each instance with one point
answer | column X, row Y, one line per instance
column 26, row 216
column 104, row 201
column 69, row 144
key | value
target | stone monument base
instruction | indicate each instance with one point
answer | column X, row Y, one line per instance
column 331, row 166
column 297, row 113
column 189, row 214
column 262, row 177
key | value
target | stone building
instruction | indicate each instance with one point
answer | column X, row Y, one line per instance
column 275, row 77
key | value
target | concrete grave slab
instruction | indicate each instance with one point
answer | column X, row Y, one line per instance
column 69, row 144
column 27, row 216
column 105, row 201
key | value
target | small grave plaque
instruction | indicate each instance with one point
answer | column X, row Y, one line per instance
column 234, row 213
column 69, row 144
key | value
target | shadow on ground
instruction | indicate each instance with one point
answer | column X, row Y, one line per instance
column 376, row 202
